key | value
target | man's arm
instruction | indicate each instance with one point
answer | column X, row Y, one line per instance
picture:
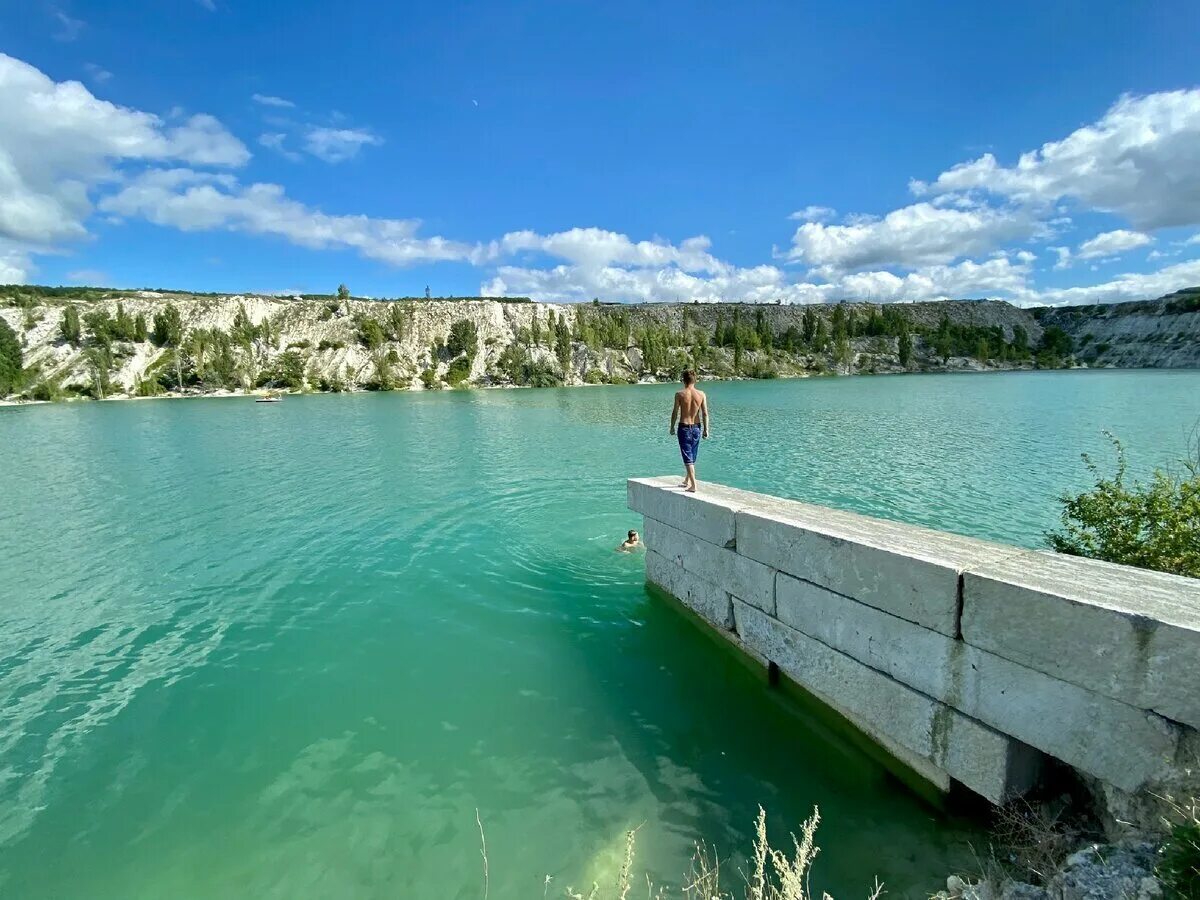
column 674, row 413
column 704, row 413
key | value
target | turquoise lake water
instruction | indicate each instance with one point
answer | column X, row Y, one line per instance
column 289, row 650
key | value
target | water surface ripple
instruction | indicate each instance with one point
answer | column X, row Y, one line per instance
column 288, row 650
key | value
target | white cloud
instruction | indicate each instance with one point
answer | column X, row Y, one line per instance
column 1194, row 239
column 1131, row 286
column 68, row 28
column 276, row 141
column 58, row 142
column 920, row 234
column 210, row 5
column 96, row 73
column 593, row 248
column 1064, row 257
column 1113, row 243
column 813, row 214
column 335, row 145
column 268, row 100
column 1141, row 160
column 200, row 201
column 15, row 265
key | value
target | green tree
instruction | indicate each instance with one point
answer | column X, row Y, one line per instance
column 535, row 329
column 168, row 327
column 140, row 332
column 123, row 329
column 370, row 333
column 1153, row 526
column 289, row 370
column 809, row 325
column 343, row 292
column 396, row 321
column 69, row 327
column 243, row 330
column 1020, row 340
column 905, row 346
column 463, row 339
column 1056, row 342
column 10, row 360
column 562, row 345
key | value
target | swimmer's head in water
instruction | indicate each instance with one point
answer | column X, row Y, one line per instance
column 633, row 536
column 689, row 377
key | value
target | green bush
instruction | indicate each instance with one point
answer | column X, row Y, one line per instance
column 430, row 379
column 595, row 376
column 464, row 338
column 370, row 333
column 1152, row 526
column 459, row 371
column 168, row 327
column 1179, row 868
column 331, row 345
column 10, row 359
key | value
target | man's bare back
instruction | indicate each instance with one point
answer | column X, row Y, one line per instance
column 690, row 410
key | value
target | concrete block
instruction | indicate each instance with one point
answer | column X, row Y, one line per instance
column 1056, row 717
column 907, row 571
column 1128, row 633
column 701, row 596
column 749, row 580
column 706, row 515
column 989, row 763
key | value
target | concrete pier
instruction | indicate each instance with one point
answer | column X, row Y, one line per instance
column 969, row 661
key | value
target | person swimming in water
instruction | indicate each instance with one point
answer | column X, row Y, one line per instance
column 632, row 542
column 691, row 410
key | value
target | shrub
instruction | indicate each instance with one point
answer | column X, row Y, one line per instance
column 595, row 376
column 10, row 359
column 1152, row 526
column 464, row 338
column 69, row 328
column 331, row 345
column 1179, row 868
column 459, row 371
column 299, row 345
column 430, row 379
column 168, row 327
column 370, row 333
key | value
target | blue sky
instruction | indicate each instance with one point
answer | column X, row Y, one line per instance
column 795, row 151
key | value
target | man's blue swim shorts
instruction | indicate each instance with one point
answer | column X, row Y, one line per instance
column 689, row 443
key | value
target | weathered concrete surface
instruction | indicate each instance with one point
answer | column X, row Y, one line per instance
column 1127, row 633
column 937, row 646
column 705, row 598
column 708, row 516
column 909, row 572
column 1057, row 717
column 751, row 581
column 991, row 764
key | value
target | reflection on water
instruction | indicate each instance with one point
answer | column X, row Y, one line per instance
column 289, row 650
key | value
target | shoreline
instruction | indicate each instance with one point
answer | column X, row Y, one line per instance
column 261, row 392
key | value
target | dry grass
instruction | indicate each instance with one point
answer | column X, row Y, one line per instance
column 774, row 874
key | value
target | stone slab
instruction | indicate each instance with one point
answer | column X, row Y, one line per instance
column 1128, row 633
column 1054, row 716
column 707, row 515
column 907, row 571
column 986, row 761
column 704, row 598
column 739, row 575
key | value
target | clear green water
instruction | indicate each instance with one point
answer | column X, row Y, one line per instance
column 288, row 650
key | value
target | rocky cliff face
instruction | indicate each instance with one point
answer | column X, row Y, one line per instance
column 244, row 342
column 1163, row 333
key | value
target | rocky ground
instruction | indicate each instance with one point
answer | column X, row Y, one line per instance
column 243, row 343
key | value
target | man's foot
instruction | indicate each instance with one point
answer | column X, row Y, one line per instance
column 682, row 484
column 691, row 489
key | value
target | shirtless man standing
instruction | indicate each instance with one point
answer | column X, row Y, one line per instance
column 691, row 411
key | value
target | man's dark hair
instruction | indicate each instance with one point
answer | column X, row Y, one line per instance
column 632, row 534
column 689, row 377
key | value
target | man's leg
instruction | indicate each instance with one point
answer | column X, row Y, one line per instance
column 690, row 481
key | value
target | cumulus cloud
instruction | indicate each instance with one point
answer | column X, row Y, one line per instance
column 277, row 141
column 15, row 265
column 920, row 234
column 1131, row 286
column 592, row 248
column 1140, row 160
column 1112, row 243
column 58, row 142
column 335, row 145
column 813, row 214
column 200, row 201
column 268, row 100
